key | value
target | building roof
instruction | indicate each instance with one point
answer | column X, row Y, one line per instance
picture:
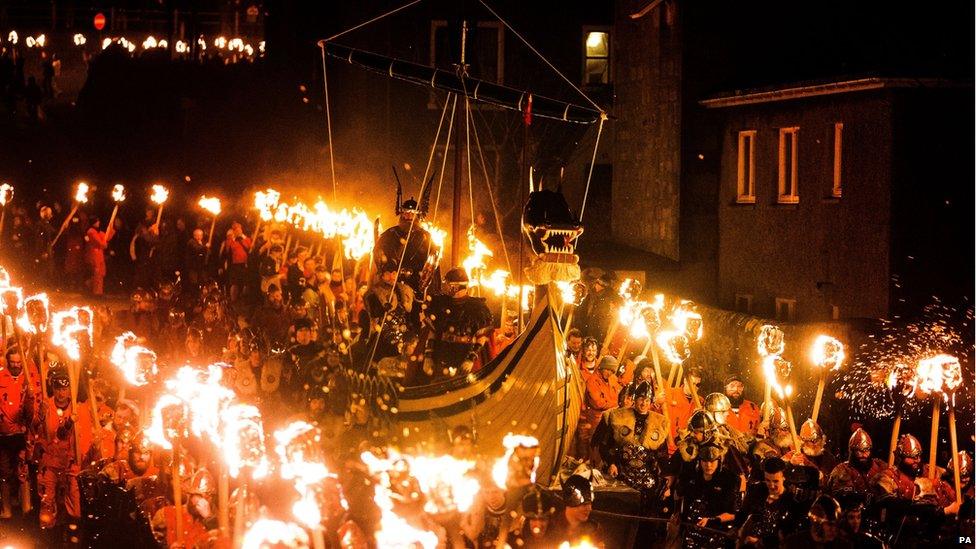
column 803, row 91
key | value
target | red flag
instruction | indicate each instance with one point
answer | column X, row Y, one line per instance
column 528, row 111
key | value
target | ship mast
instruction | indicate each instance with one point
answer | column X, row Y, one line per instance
column 457, row 240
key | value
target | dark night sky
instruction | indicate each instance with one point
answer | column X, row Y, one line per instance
column 245, row 125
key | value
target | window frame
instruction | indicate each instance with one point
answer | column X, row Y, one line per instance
column 587, row 29
column 500, row 49
column 742, row 185
column 790, row 309
column 793, row 196
column 747, row 298
column 837, row 189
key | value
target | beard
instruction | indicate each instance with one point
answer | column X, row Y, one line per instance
column 910, row 470
column 736, row 401
column 861, row 465
column 782, row 440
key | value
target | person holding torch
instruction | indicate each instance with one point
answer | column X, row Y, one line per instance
column 96, row 242
column 64, row 426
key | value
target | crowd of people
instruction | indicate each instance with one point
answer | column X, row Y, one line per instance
column 297, row 329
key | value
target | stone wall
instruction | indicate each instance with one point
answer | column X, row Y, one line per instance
column 646, row 164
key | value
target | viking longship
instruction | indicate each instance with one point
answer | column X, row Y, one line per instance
column 530, row 388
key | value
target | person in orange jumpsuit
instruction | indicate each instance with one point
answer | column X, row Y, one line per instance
column 602, row 390
column 744, row 415
column 16, row 413
column 58, row 468
column 95, row 244
column 679, row 400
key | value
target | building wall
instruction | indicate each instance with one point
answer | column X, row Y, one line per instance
column 646, row 165
column 822, row 251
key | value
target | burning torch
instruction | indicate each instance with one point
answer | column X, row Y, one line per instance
column 940, row 376
column 828, row 356
column 769, row 343
column 81, row 197
column 159, row 196
column 243, row 447
column 212, row 205
column 167, row 429
column 118, row 195
column 6, row 195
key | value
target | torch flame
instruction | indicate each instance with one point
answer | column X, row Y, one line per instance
column 31, row 322
column 211, row 204
column 137, row 363
column 938, row 374
column 827, row 353
column 770, row 341
column 499, row 471
column 118, row 193
column 266, row 533
column 205, row 398
column 265, row 202
column 167, row 421
column 674, row 345
column 777, row 371
column 437, row 235
column 475, row 263
column 159, row 194
column 394, row 531
column 81, row 193
column 243, row 440
column 6, row 194
column 65, row 325
column 630, row 289
column 583, row 544
column 687, row 320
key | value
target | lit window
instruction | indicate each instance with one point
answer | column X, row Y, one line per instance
column 785, row 309
column 596, row 70
column 838, row 159
column 743, row 303
column 788, row 192
column 746, row 186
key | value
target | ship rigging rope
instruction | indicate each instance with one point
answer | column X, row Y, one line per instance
column 447, row 145
column 467, row 150
column 491, row 194
column 373, row 20
column 403, row 253
column 328, row 126
column 546, row 61
column 589, row 175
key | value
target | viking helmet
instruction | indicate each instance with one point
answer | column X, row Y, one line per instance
column 810, row 431
column 718, row 404
column 813, row 438
column 577, row 490
column 411, row 205
column 965, row 465
column 825, row 509
column 456, row 277
column 860, row 440
column 57, row 378
column 534, row 504
column 701, row 420
column 644, row 389
column 778, row 420
column 710, row 451
column 908, row 447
